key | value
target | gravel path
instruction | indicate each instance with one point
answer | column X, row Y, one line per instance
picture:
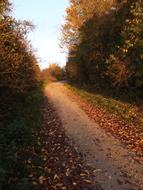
column 114, row 166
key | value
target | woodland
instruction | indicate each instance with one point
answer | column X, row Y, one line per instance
column 20, row 100
column 104, row 42
column 104, row 46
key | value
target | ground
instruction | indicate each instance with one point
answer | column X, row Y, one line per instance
column 64, row 167
column 114, row 166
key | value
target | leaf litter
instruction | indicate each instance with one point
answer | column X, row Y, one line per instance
column 64, row 167
column 128, row 133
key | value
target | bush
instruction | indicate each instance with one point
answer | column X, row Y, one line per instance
column 18, row 141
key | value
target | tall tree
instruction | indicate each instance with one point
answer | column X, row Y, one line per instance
column 104, row 41
column 81, row 35
column 125, row 61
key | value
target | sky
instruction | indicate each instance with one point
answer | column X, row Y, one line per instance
column 47, row 15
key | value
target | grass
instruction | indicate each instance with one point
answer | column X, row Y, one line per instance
column 20, row 143
column 128, row 112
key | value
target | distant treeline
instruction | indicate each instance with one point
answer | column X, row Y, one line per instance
column 53, row 73
column 105, row 43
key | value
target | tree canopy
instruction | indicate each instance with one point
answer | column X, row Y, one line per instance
column 19, row 70
column 105, row 42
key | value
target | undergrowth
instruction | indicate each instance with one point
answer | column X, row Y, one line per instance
column 20, row 143
column 129, row 112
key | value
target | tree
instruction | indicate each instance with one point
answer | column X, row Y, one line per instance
column 4, row 7
column 125, row 61
column 17, row 62
column 53, row 73
column 19, row 71
column 82, row 37
column 101, row 54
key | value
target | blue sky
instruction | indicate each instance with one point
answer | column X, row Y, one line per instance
column 47, row 15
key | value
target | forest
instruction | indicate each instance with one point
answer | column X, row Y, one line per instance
column 104, row 42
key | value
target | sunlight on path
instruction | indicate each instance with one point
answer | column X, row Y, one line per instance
column 113, row 163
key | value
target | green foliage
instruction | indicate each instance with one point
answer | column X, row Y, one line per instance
column 128, row 112
column 19, row 71
column 105, row 43
column 125, row 61
column 18, row 65
column 19, row 143
column 20, row 103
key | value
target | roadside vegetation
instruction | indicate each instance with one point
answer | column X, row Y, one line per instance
column 20, row 144
column 105, row 58
column 120, row 119
column 129, row 112
column 20, row 104
column 104, row 43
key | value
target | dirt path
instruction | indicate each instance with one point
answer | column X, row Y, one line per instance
column 115, row 168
